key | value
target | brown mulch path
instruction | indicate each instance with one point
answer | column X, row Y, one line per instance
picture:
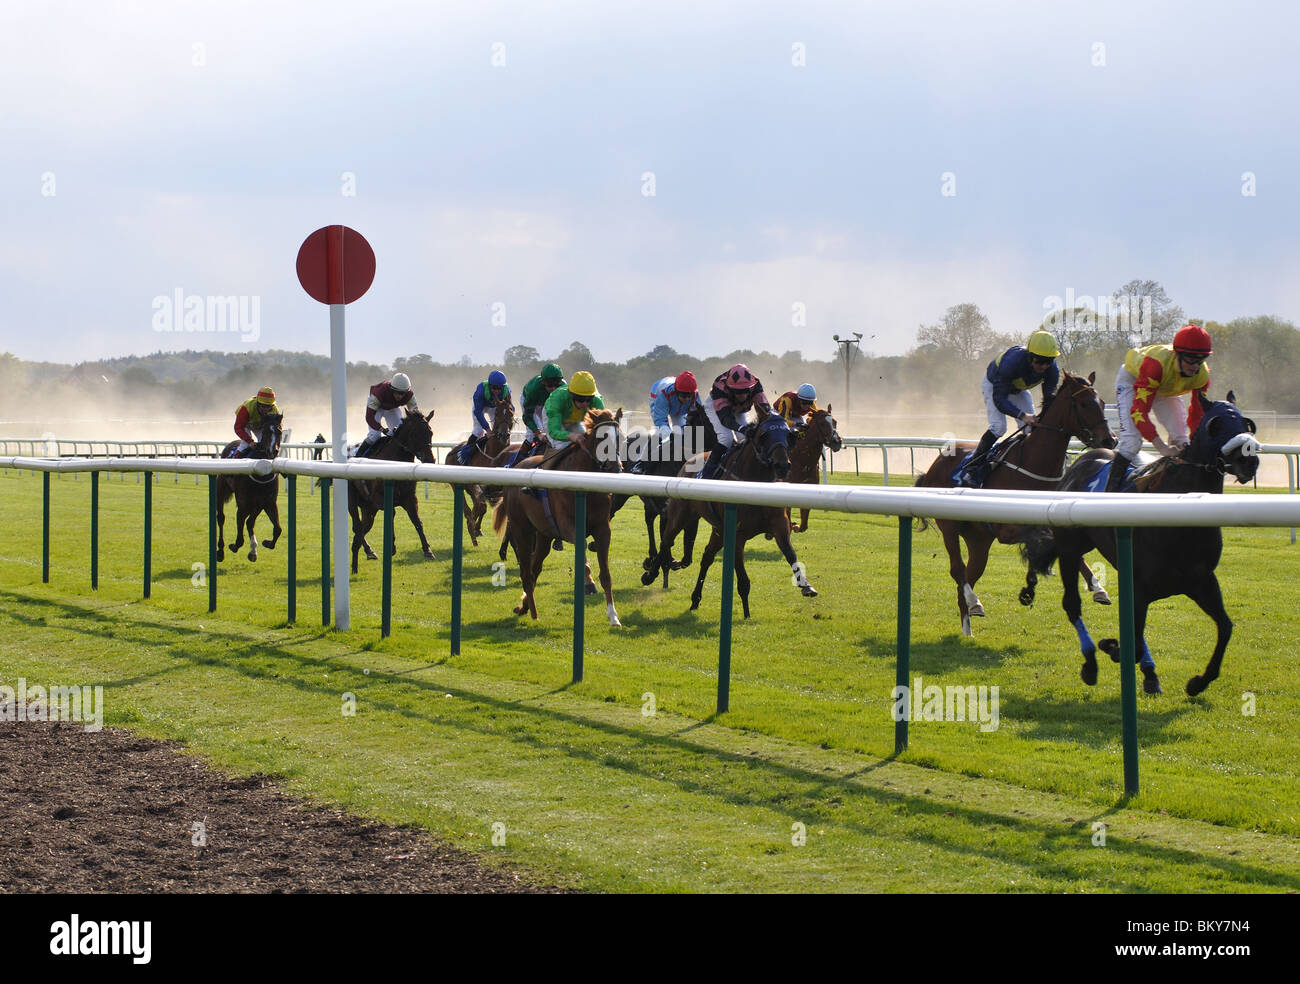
column 108, row 811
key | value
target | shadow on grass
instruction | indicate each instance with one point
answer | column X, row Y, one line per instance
column 736, row 779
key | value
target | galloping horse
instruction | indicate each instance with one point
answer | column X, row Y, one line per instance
column 491, row 454
column 1167, row 560
column 410, row 441
column 763, row 458
column 253, row 494
column 697, row 436
column 806, row 455
column 534, row 518
column 1035, row 461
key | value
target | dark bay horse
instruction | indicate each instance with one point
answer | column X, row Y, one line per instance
column 253, row 494
column 1167, row 560
column 806, row 455
column 667, row 460
column 409, row 442
column 1035, row 461
column 532, row 523
column 490, row 454
column 765, row 457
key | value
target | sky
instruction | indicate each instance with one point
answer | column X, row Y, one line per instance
column 710, row 176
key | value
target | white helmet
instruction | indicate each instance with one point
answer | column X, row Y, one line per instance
column 401, row 382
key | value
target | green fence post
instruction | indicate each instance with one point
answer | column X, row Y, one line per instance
column 212, row 543
column 148, row 533
column 293, row 547
column 94, row 531
column 904, row 668
column 457, row 520
column 724, row 631
column 579, row 580
column 45, row 532
column 324, row 553
column 386, row 619
column 1127, row 658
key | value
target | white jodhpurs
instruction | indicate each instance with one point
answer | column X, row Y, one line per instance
column 997, row 419
column 1170, row 411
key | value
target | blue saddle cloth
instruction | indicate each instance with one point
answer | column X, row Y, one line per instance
column 1098, row 481
column 960, row 470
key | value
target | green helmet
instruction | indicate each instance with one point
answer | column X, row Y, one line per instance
column 552, row 371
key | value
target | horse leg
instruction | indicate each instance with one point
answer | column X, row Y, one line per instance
column 469, row 506
column 601, row 536
column 1099, row 594
column 650, row 515
column 1070, row 561
column 412, row 507
column 1206, row 593
column 957, row 569
column 706, row 561
column 221, row 529
column 690, row 530
column 742, row 579
column 1150, row 681
column 541, row 548
column 667, row 534
column 272, row 510
column 803, row 521
column 782, row 536
column 476, row 512
column 252, row 536
column 241, row 517
column 977, row 558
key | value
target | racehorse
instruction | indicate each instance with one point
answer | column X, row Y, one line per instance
column 254, row 494
column 697, row 435
column 489, row 454
column 806, row 455
column 533, row 519
column 1167, row 560
column 411, row 440
column 765, row 457
column 1034, row 461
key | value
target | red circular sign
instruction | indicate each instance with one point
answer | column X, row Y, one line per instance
column 336, row 265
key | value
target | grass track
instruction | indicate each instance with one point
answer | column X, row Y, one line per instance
column 594, row 792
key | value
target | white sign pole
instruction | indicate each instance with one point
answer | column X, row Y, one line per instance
column 342, row 525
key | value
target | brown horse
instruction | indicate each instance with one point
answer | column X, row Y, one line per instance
column 765, row 457
column 410, row 441
column 806, row 455
column 489, row 454
column 532, row 523
column 1035, row 461
column 253, row 494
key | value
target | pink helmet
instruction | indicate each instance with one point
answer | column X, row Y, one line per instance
column 740, row 378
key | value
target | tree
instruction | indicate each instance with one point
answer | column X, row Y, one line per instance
column 576, row 356
column 660, row 352
column 964, row 333
column 1078, row 330
column 521, row 357
column 1147, row 314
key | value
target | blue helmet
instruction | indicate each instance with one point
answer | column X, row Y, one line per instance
column 496, row 378
column 807, row 392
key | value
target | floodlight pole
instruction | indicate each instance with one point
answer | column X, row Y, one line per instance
column 847, row 355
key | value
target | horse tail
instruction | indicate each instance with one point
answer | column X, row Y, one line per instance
column 1038, row 549
column 499, row 517
column 922, row 524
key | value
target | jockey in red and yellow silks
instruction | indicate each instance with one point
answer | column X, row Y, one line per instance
column 248, row 418
column 1153, row 380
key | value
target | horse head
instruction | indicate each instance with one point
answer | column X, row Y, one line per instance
column 821, row 428
column 772, row 444
column 415, row 437
column 1225, row 440
column 603, row 440
column 504, row 422
column 268, row 441
column 1081, row 413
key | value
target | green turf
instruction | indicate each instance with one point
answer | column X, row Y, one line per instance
column 594, row 791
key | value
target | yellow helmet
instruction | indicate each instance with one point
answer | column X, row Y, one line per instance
column 1043, row 345
column 266, row 396
column 583, row 383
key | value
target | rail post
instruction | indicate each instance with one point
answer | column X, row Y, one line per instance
column 324, row 553
column 45, row 531
column 212, row 543
column 457, row 521
column 292, row 490
column 579, row 580
column 148, row 532
column 724, row 631
column 904, row 668
column 94, row 531
column 1127, row 658
column 386, row 618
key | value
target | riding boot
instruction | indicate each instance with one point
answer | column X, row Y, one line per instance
column 363, row 448
column 973, row 476
column 1118, row 470
column 466, row 453
column 711, row 466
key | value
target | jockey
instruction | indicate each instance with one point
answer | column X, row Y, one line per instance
column 248, row 419
column 492, row 393
column 1152, row 380
column 671, row 399
column 567, row 405
column 534, row 398
column 795, row 405
column 733, row 395
column 387, row 404
column 1006, row 385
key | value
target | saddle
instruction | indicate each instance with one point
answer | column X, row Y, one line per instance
column 1149, row 478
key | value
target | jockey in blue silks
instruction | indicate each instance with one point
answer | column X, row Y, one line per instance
column 491, row 393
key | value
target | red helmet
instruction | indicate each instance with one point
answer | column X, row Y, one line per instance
column 1194, row 340
column 740, row 378
column 685, row 383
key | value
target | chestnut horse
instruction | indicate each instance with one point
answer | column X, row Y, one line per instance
column 765, row 457
column 411, row 440
column 806, row 455
column 490, row 454
column 534, row 518
column 1035, row 461
column 253, row 494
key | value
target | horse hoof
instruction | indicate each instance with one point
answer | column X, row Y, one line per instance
column 1089, row 673
column 221, row 555
column 1196, row 685
column 810, row 592
column 522, row 609
column 977, row 611
column 590, row 589
column 428, row 554
column 648, row 564
column 677, row 565
column 1111, row 648
column 648, row 578
column 252, row 557
column 1027, row 597
column 1151, row 683
column 1100, row 597
column 269, row 544
column 695, row 604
